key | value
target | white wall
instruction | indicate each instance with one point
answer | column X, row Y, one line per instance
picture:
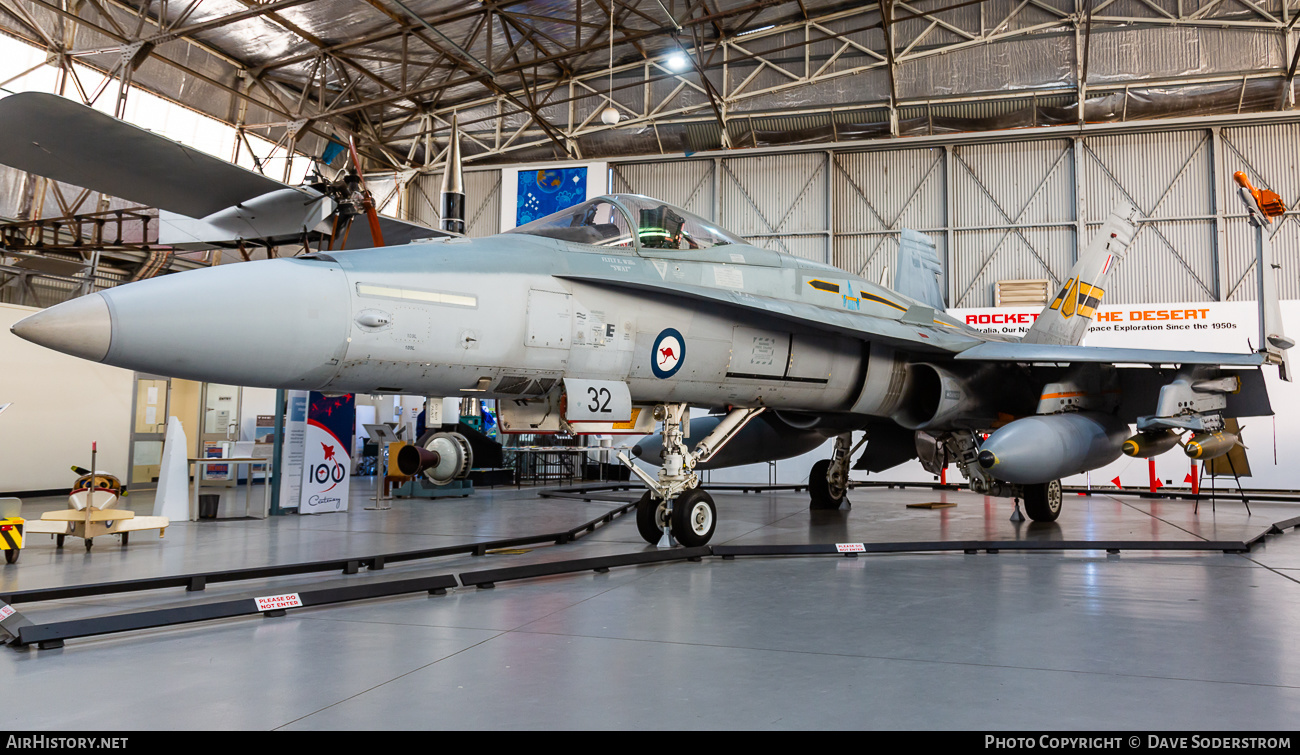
column 60, row 405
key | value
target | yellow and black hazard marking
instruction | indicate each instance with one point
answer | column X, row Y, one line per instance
column 11, row 538
column 827, row 286
column 1078, row 297
column 882, row 300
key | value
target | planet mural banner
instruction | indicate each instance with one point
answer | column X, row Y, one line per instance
column 548, row 190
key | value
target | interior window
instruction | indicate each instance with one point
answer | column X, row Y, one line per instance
column 596, row 222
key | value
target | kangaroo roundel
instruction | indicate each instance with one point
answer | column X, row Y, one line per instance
column 668, row 353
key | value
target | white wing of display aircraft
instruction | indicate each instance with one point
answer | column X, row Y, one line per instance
column 205, row 202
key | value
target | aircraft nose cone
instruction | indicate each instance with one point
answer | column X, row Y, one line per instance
column 280, row 323
column 82, row 327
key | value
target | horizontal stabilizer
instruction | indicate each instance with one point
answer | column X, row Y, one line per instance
column 57, row 138
column 1066, row 354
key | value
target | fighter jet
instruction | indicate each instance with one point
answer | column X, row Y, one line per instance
column 623, row 311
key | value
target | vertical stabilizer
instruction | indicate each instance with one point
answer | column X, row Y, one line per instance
column 453, row 186
column 918, row 269
column 1067, row 317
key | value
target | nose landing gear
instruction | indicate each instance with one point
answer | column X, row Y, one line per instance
column 675, row 509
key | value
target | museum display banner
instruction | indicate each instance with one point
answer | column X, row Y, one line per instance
column 295, row 433
column 331, row 427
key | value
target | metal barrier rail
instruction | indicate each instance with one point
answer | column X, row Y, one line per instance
column 489, row 577
column 992, row 546
column 198, row 581
column 1274, row 496
column 52, row 635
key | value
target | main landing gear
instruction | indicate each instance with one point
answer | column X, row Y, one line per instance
column 1043, row 501
column 828, row 482
column 675, row 509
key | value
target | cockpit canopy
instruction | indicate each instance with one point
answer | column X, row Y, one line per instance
column 609, row 221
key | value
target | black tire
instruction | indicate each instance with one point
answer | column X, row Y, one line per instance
column 58, row 541
column 694, row 518
column 650, row 518
column 11, row 555
column 89, row 542
column 1043, row 502
column 819, row 488
column 126, row 537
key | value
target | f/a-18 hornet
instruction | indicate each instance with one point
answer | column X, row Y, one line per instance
column 624, row 310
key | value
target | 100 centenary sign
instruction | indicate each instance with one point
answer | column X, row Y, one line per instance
column 327, row 459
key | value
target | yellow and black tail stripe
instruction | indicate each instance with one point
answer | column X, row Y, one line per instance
column 11, row 534
column 1078, row 297
column 1089, row 299
column 1060, row 298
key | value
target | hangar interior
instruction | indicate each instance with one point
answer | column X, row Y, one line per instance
column 1004, row 133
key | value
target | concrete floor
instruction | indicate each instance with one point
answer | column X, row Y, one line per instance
column 1045, row 641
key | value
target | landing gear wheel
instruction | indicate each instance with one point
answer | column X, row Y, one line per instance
column 825, row 496
column 1043, row 502
column 58, row 541
column 11, row 555
column 694, row 518
column 650, row 518
column 89, row 542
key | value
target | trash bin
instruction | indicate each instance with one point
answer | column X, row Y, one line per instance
column 208, row 506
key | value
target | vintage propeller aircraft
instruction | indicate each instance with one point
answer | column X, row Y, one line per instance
column 203, row 202
column 624, row 311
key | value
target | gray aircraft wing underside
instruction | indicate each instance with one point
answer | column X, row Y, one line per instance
column 1062, row 353
column 57, row 138
column 929, row 337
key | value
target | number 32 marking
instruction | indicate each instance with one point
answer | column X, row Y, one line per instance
column 596, row 396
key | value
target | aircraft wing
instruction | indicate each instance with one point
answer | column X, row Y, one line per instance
column 395, row 232
column 931, row 336
column 1048, row 352
column 57, row 138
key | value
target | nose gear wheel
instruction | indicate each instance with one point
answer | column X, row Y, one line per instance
column 694, row 517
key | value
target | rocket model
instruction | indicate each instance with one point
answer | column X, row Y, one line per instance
column 453, row 186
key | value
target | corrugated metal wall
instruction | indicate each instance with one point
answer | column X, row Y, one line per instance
column 1011, row 209
column 1268, row 156
column 1012, row 216
column 482, row 201
column 875, row 194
